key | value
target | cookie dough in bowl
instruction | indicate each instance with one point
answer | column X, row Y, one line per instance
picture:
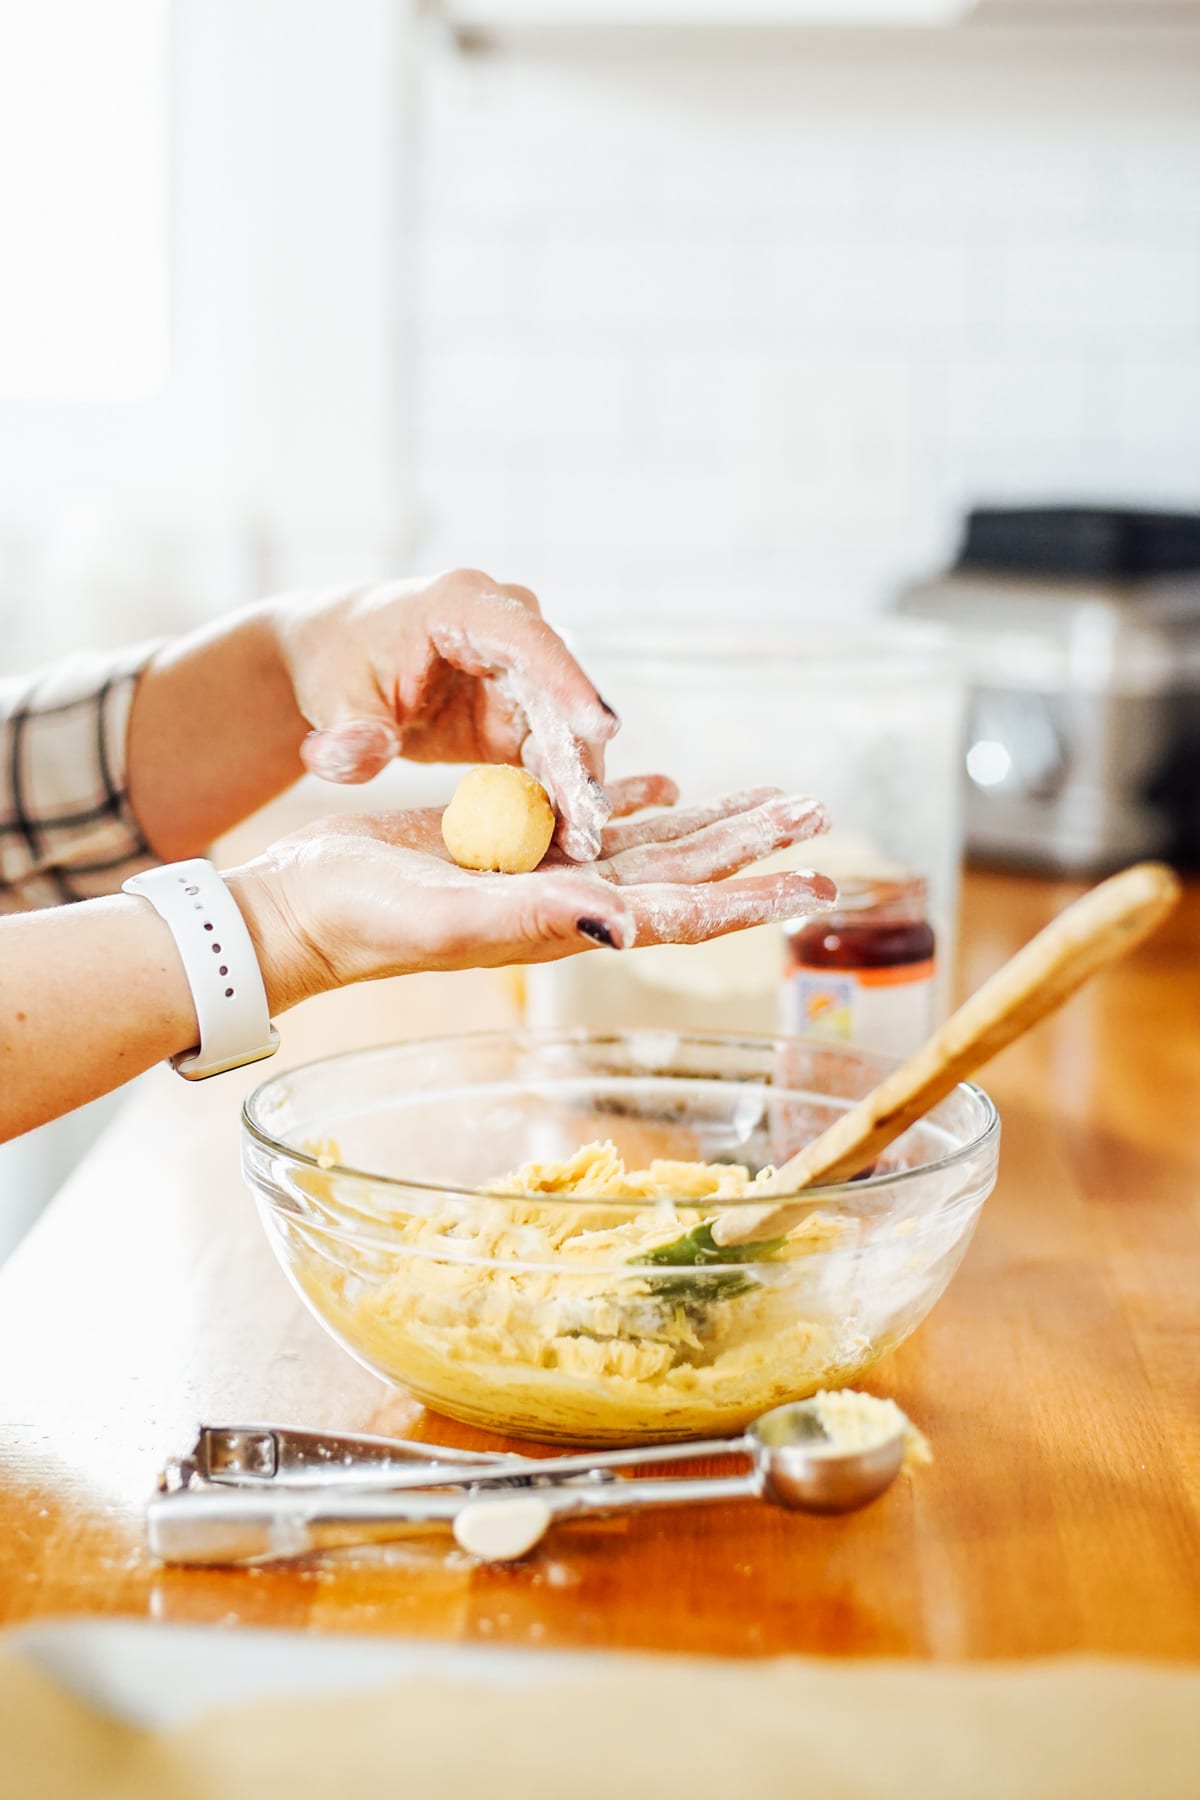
column 539, row 1314
column 476, row 1219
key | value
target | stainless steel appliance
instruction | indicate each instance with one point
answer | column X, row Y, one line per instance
column 1079, row 631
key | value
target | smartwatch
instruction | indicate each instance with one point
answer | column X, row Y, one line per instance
column 220, row 964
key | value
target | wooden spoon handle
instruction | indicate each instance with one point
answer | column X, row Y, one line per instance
column 1101, row 926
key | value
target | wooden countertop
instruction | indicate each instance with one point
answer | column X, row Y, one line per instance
column 1058, row 1379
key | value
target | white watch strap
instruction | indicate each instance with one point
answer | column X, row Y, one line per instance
column 220, row 964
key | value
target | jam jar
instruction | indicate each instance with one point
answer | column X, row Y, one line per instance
column 864, row 973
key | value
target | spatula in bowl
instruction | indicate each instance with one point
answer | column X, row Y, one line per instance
column 1097, row 929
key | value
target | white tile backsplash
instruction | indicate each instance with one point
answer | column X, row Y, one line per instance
column 1012, row 400
column 1131, row 290
column 526, row 394
column 1153, row 406
column 750, row 322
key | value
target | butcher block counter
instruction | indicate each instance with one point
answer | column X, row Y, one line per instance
column 1058, row 1380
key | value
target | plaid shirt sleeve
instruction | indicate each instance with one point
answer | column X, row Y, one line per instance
column 67, row 831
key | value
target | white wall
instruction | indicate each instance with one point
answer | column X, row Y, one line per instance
column 721, row 320
column 700, row 318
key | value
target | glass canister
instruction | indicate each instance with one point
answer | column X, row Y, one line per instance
column 866, row 973
column 869, row 717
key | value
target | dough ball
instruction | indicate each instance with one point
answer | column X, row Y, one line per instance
column 499, row 818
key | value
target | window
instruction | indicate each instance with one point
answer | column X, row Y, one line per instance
column 83, row 199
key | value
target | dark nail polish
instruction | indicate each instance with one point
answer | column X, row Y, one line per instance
column 596, row 787
column 598, row 931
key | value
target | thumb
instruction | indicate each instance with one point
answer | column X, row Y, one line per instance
column 357, row 739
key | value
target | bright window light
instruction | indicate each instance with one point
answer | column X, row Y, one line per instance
column 988, row 763
column 83, row 199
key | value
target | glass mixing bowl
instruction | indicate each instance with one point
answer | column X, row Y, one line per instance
column 531, row 1314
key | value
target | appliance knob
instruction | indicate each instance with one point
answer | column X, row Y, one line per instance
column 1014, row 746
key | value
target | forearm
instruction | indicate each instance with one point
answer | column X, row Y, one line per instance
column 214, row 733
column 90, row 996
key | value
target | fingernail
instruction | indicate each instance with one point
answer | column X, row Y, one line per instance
column 597, row 788
column 330, row 758
column 344, row 752
column 598, row 931
column 822, row 893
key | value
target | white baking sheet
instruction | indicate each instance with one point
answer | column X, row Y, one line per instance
column 160, row 1675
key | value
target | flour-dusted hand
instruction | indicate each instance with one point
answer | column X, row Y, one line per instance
column 366, row 895
column 455, row 669
column 203, row 732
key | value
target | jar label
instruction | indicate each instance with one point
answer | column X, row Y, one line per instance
column 884, row 1009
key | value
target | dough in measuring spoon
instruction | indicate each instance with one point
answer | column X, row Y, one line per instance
column 500, row 818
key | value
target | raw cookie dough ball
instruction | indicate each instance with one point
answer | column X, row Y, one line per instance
column 499, row 818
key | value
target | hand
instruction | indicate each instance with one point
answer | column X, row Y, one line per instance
column 458, row 669
column 367, row 895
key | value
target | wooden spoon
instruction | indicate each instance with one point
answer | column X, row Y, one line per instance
column 1100, row 927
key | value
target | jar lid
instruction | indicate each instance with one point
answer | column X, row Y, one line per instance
column 860, row 893
column 863, row 896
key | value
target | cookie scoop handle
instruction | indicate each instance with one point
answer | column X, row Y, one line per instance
column 1097, row 929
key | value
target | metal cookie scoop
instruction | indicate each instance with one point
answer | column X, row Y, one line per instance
column 290, row 1456
column 795, row 1463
